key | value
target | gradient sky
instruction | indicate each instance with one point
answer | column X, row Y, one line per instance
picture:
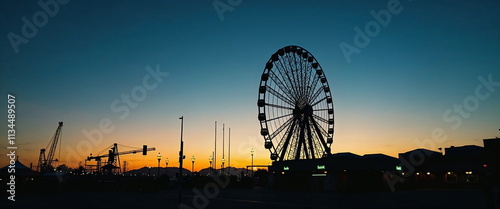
column 427, row 59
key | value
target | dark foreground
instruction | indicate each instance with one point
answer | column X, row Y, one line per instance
column 255, row 198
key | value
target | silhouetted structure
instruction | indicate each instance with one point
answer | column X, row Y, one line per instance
column 339, row 172
column 113, row 157
column 295, row 106
column 459, row 167
column 45, row 161
column 492, row 156
column 21, row 171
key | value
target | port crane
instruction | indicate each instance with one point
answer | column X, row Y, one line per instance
column 112, row 165
column 45, row 161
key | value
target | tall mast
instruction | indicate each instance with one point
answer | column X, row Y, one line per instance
column 229, row 152
column 215, row 151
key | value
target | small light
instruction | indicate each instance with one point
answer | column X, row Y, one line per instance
column 428, row 173
column 485, row 165
column 282, row 172
column 418, row 173
column 449, row 173
column 403, row 173
column 398, row 168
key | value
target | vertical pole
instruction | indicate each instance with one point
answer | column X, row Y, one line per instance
column 222, row 167
column 252, row 160
column 229, row 153
column 252, row 165
column 181, row 155
column 215, row 152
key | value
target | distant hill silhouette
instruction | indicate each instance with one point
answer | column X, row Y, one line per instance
column 230, row 170
column 171, row 171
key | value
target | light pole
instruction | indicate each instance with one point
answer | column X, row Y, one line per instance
column 210, row 159
column 159, row 158
column 166, row 166
column 222, row 170
column 229, row 154
column 223, row 160
column 181, row 157
column 192, row 165
column 215, row 149
column 251, row 152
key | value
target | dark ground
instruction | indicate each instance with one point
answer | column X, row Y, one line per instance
column 255, row 198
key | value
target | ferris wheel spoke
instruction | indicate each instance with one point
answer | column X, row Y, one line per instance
column 315, row 95
column 312, row 85
column 303, row 77
column 280, row 96
column 321, row 109
column 284, row 72
column 319, row 101
column 281, row 128
column 320, row 131
column 279, row 117
column 286, row 94
column 307, row 82
column 320, row 118
column 310, row 139
column 295, row 71
column 287, row 140
column 301, row 141
column 279, row 106
column 281, row 86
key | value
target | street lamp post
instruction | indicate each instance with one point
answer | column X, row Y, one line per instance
column 166, row 166
column 251, row 152
column 222, row 170
column 192, row 166
column 159, row 158
column 181, row 157
column 210, row 159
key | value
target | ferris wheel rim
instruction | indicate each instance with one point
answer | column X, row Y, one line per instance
column 297, row 109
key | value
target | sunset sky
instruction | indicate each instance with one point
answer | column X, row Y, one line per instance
column 429, row 58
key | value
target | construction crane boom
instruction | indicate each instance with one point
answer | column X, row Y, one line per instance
column 53, row 146
column 45, row 162
column 113, row 163
column 121, row 153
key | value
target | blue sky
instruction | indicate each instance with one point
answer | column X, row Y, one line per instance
column 427, row 59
